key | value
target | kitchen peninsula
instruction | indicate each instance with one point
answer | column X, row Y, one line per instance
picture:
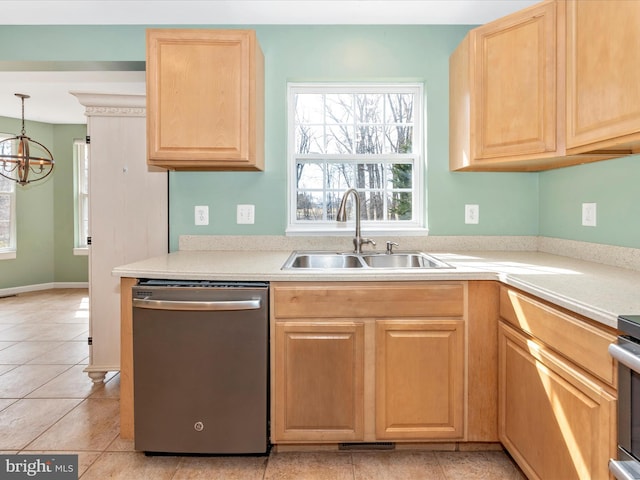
column 556, row 313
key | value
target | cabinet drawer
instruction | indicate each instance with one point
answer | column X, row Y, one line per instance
column 358, row 299
column 581, row 342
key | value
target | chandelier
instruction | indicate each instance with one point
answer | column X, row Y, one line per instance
column 24, row 160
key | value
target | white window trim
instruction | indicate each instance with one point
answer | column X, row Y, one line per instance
column 80, row 246
column 417, row 226
column 10, row 252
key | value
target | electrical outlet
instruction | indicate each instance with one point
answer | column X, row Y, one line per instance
column 589, row 214
column 472, row 214
column 201, row 214
column 245, row 214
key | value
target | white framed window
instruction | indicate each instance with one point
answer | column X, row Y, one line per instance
column 81, row 190
column 7, row 211
column 363, row 136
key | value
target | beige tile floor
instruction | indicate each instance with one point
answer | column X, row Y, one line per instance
column 48, row 404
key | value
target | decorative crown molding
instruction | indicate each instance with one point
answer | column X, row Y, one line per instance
column 115, row 112
column 112, row 105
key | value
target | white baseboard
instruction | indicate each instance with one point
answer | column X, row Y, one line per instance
column 7, row 292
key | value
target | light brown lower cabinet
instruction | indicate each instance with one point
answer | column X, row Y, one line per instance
column 319, row 373
column 557, row 421
column 420, row 379
column 368, row 361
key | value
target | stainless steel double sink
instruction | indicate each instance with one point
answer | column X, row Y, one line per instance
column 367, row 260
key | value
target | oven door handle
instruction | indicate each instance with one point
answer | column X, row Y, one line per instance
column 215, row 306
column 621, row 471
column 626, row 357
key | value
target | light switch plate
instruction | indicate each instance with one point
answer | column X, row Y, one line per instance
column 589, row 214
column 472, row 214
column 245, row 214
column 201, row 214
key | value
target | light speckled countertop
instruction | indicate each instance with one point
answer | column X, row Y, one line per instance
column 597, row 291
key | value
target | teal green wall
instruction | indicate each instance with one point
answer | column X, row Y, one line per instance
column 60, row 43
column 299, row 53
column 369, row 53
column 44, row 247
column 510, row 203
column 614, row 185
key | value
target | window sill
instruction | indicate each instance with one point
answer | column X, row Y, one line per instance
column 349, row 229
column 81, row 251
column 8, row 255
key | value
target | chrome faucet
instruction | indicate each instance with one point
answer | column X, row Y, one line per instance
column 358, row 241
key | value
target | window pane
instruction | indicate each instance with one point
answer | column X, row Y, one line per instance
column 372, row 206
column 340, row 139
column 5, row 221
column 7, row 148
column 369, row 108
column 5, row 208
column 333, row 203
column 339, row 108
column 83, row 152
column 399, row 206
column 81, row 209
column 309, row 108
column 399, row 108
column 399, row 175
column 310, row 176
column 309, row 139
column 340, row 176
column 398, row 139
column 370, row 139
column 5, row 235
column 309, row 206
column 369, row 176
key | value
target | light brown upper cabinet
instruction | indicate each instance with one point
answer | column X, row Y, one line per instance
column 504, row 93
column 205, row 99
column 603, row 65
column 507, row 94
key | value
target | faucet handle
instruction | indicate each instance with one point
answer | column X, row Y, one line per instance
column 390, row 246
column 367, row 240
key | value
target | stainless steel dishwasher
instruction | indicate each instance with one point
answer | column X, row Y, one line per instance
column 200, row 363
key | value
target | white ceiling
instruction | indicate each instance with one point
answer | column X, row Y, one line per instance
column 51, row 101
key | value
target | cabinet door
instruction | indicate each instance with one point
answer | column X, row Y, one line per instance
column 603, row 54
column 419, row 379
column 319, row 382
column 204, row 99
column 514, row 89
column 555, row 421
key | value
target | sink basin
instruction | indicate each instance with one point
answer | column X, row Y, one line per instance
column 402, row 260
column 364, row 261
column 325, row 260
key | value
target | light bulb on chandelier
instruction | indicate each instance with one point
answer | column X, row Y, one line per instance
column 22, row 159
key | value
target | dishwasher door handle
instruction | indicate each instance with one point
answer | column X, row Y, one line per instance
column 215, row 306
